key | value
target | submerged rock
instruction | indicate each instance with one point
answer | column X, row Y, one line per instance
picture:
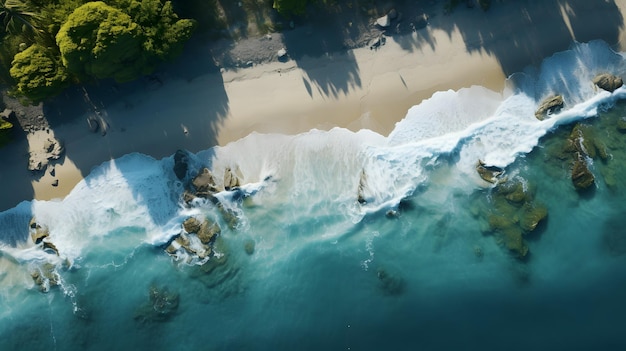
column 621, row 125
column 549, row 106
column 514, row 214
column 531, row 216
column 248, row 246
column 390, row 284
column 581, row 175
column 162, row 305
column 608, row 82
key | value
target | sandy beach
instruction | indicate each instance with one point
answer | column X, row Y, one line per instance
column 196, row 104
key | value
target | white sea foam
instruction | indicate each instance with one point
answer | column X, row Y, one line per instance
column 317, row 174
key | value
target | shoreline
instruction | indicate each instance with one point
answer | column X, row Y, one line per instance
column 355, row 89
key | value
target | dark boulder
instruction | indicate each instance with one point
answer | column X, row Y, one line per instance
column 181, row 164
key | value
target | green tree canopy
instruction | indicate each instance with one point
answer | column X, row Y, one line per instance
column 38, row 73
column 100, row 41
column 288, row 8
column 165, row 34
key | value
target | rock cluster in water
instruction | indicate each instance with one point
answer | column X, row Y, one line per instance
column 195, row 239
column 582, row 145
column 512, row 214
column 203, row 185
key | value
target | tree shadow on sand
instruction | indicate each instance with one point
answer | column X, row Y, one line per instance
column 181, row 106
column 512, row 44
column 320, row 40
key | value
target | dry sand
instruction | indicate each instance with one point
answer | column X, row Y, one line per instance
column 360, row 88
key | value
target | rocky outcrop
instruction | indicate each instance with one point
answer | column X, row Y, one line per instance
column 195, row 240
column 490, row 174
column 40, row 235
column 549, row 106
column 608, row 82
column 181, row 164
column 512, row 214
column 204, row 183
column 232, row 179
column 383, row 21
column 39, row 158
column 582, row 144
column 581, row 175
column 45, row 277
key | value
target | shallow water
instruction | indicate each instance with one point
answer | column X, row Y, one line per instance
column 415, row 265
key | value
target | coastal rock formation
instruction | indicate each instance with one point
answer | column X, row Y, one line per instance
column 232, row 179
column 204, row 183
column 195, row 240
column 490, row 174
column 181, row 164
column 51, row 149
column 383, row 21
column 512, row 214
column 549, row 106
column 583, row 144
column 608, row 82
column 40, row 235
column 581, row 175
column 7, row 114
column 45, row 277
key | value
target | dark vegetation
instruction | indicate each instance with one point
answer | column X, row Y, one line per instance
column 49, row 44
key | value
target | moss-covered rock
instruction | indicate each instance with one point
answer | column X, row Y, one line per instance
column 582, row 178
column 249, row 246
column 513, row 240
column 513, row 214
column 531, row 216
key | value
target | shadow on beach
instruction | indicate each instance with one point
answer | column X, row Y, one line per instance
column 515, row 33
column 14, row 176
column 181, row 106
column 321, row 40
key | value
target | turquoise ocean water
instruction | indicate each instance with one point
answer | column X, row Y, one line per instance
column 423, row 262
